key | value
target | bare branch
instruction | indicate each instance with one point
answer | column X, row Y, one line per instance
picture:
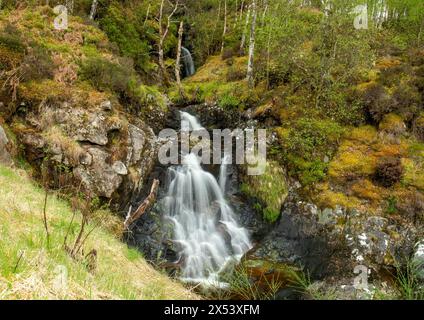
column 147, row 203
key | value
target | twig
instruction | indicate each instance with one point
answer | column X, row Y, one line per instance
column 45, row 218
column 144, row 206
column 17, row 262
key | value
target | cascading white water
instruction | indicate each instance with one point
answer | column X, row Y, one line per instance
column 188, row 63
column 205, row 228
column 192, row 121
column 223, row 175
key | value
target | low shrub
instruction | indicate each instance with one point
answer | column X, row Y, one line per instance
column 418, row 127
column 234, row 73
column 229, row 101
column 411, row 205
column 311, row 138
column 377, row 102
column 308, row 172
column 11, row 39
column 106, row 75
column 406, row 101
column 227, row 54
column 37, row 64
column 388, row 171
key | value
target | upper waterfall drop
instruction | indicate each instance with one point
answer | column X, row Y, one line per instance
column 188, row 63
column 205, row 229
column 192, row 120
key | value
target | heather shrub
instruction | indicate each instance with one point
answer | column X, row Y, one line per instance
column 388, row 171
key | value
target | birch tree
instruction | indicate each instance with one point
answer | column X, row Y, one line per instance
column 93, row 9
column 163, row 32
column 224, row 32
column 250, row 76
column 178, row 59
column 243, row 36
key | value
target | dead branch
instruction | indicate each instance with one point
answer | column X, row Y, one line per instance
column 46, row 227
column 147, row 203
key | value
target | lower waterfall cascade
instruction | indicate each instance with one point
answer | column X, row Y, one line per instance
column 205, row 228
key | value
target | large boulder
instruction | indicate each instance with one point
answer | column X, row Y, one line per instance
column 418, row 260
column 333, row 242
column 109, row 152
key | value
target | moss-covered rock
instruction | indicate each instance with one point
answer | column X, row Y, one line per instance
column 270, row 189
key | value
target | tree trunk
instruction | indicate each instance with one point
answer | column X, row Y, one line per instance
column 268, row 59
column 236, row 18
column 224, row 32
column 147, row 203
column 93, row 9
column 243, row 37
column 250, row 78
column 162, row 36
column 178, row 60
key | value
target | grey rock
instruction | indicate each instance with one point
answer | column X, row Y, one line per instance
column 85, row 159
column 106, row 105
column 120, row 168
column 418, row 259
column 99, row 179
column 5, row 157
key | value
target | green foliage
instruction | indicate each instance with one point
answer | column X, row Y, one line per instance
column 228, row 101
column 311, row 138
column 120, row 27
column 11, row 39
column 408, row 281
column 105, row 75
column 37, row 64
column 143, row 95
column 307, row 144
column 391, row 205
column 308, row 172
column 269, row 188
column 242, row 286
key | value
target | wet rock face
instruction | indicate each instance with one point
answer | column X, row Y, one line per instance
column 109, row 154
column 418, row 259
column 332, row 242
column 5, row 157
column 300, row 239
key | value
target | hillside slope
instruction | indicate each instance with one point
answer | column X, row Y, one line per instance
column 29, row 269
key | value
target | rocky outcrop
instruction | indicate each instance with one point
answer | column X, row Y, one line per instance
column 108, row 152
column 331, row 244
column 5, row 157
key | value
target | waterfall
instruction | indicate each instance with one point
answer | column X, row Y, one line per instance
column 192, row 120
column 223, row 174
column 208, row 237
column 188, row 63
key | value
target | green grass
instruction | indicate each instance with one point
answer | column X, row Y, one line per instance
column 30, row 267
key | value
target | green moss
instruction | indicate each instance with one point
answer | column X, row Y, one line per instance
column 351, row 162
column 414, row 173
column 269, row 188
column 392, row 123
column 308, row 172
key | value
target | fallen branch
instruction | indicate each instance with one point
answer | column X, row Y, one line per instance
column 46, row 227
column 147, row 203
